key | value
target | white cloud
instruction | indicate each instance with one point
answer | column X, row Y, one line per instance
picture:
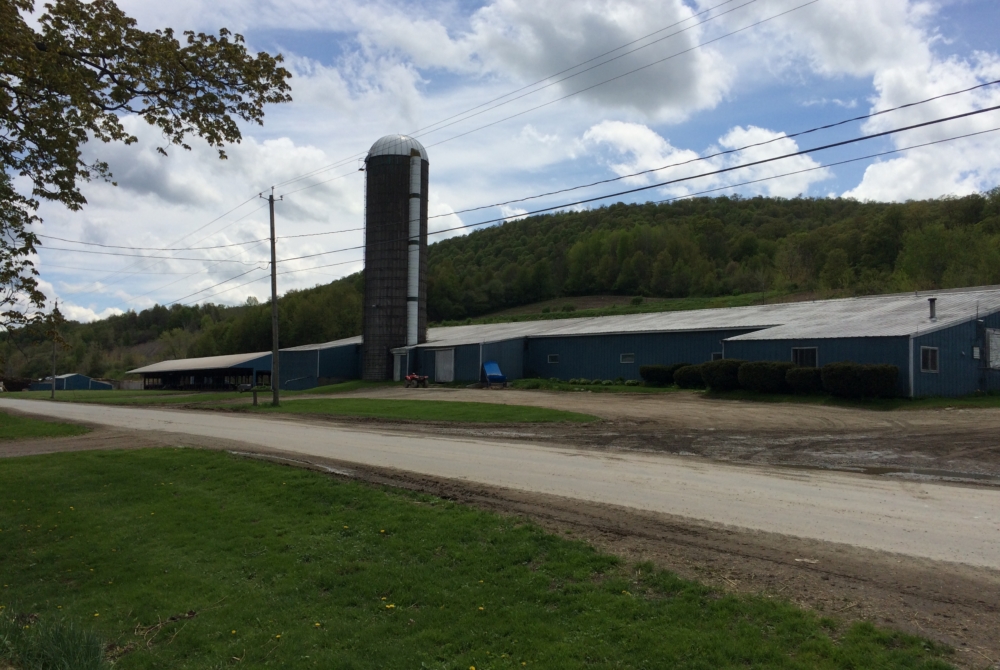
column 640, row 148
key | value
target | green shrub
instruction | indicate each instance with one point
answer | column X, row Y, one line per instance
column 632, row 382
column 660, row 375
column 636, row 301
column 842, row 379
column 554, row 380
column 851, row 380
column 806, row 381
column 879, row 381
column 619, row 381
column 765, row 376
column 546, row 310
column 569, row 308
column 607, row 382
column 656, row 375
column 722, row 375
column 689, row 377
column 531, row 384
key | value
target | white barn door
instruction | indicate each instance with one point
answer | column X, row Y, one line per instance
column 444, row 365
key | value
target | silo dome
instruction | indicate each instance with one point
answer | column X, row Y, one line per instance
column 396, row 145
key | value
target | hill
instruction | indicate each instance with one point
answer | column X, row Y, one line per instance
column 675, row 256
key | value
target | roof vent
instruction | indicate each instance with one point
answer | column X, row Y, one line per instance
column 933, row 304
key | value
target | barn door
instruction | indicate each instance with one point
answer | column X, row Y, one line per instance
column 993, row 348
column 397, row 367
column 444, row 365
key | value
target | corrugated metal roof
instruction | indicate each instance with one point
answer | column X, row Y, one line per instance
column 396, row 145
column 205, row 363
column 326, row 345
column 897, row 315
column 871, row 316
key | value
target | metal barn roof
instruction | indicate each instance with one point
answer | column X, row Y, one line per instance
column 205, row 363
column 327, row 345
column 396, row 145
column 872, row 316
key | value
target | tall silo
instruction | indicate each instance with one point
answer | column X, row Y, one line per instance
column 395, row 311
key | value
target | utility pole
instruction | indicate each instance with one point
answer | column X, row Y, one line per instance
column 55, row 336
column 275, row 383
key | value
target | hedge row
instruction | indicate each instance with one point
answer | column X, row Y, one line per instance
column 844, row 380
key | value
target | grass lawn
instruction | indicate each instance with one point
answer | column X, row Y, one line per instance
column 549, row 385
column 423, row 410
column 106, row 397
column 15, row 427
column 265, row 565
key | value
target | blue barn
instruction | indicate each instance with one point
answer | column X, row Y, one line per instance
column 945, row 343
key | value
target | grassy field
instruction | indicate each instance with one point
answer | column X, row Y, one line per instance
column 14, row 427
column 549, row 385
column 109, row 397
column 422, row 410
column 192, row 559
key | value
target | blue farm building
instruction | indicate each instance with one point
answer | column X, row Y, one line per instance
column 945, row 343
column 71, row 382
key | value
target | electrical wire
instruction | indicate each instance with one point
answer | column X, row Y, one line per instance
column 879, row 154
column 677, row 180
column 118, row 253
column 593, row 86
column 117, row 246
column 347, row 159
column 722, row 153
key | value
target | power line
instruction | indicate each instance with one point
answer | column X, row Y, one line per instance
column 722, row 153
column 117, row 246
column 213, row 286
column 510, row 93
column 677, row 180
column 118, row 253
column 673, row 199
column 588, row 88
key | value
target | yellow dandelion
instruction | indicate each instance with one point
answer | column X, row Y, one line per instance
column 96, row 614
column 383, row 598
column 278, row 636
column 345, row 527
column 382, row 531
column 480, row 609
column 390, row 607
column 232, row 632
column 316, row 624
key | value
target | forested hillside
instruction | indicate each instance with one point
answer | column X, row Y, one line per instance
column 700, row 247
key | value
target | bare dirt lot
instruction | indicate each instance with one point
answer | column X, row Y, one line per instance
column 950, row 603
column 928, row 444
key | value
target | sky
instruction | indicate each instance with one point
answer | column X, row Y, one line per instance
column 516, row 98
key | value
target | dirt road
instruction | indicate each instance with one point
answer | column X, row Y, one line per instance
column 935, row 521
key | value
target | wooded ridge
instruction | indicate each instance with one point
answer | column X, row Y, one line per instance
column 706, row 247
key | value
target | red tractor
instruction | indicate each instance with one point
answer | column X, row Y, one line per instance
column 413, row 380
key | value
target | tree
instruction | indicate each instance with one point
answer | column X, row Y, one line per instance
column 72, row 80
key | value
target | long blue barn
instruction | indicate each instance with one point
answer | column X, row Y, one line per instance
column 945, row 343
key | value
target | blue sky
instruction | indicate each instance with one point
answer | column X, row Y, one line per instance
column 366, row 69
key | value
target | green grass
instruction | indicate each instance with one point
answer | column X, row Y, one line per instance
column 422, row 410
column 549, row 385
column 16, row 427
column 352, row 576
column 103, row 397
column 342, row 387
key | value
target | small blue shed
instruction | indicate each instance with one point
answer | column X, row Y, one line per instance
column 71, row 382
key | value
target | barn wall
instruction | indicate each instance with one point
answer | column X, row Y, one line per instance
column 599, row 356
column 509, row 355
column 887, row 350
column 959, row 373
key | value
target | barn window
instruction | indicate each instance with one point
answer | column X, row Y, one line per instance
column 627, row 358
column 553, row 358
column 805, row 357
column 928, row 359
